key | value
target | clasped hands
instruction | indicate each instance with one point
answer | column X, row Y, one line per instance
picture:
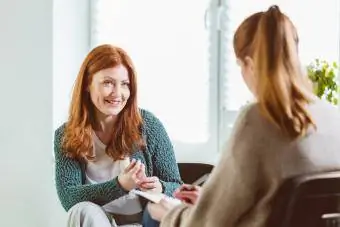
column 134, row 176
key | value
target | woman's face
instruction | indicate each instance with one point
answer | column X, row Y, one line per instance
column 110, row 91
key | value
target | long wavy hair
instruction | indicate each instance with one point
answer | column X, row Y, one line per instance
column 126, row 137
column 282, row 89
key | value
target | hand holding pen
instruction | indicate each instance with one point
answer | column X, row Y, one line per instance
column 190, row 193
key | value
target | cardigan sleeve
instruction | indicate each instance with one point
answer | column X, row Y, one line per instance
column 69, row 185
column 162, row 152
column 231, row 190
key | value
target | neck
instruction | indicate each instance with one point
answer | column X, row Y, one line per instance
column 104, row 123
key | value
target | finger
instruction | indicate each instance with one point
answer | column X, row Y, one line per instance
column 188, row 187
column 185, row 185
column 136, row 168
column 131, row 165
column 146, row 180
column 148, row 185
column 186, row 200
column 178, row 189
column 142, row 170
column 150, row 180
column 139, row 177
column 188, row 195
column 175, row 193
column 179, row 195
column 182, row 187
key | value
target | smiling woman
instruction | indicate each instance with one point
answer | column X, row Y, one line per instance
column 109, row 146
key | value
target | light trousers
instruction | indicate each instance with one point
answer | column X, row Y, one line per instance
column 87, row 214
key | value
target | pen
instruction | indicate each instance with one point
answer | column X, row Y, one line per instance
column 201, row 180
column 197, row 182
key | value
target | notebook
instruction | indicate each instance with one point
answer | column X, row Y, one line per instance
column 155, row 197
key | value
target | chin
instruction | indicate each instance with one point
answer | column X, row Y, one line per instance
column 114, row 112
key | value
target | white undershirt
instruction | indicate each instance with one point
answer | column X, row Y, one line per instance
column 103, row 169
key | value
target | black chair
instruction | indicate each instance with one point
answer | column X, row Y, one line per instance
column 307, row 201
column 190, row 172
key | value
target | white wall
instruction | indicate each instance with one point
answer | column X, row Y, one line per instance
column 26, row 112
column 42, row 43
column 71, row 42
column 71, row 33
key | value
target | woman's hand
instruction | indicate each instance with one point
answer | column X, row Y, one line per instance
column 131, row 175
column 145, row 183
column 159, row 210
column 150, row 183
column 188, row 193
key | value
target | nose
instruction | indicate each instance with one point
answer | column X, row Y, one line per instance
column 117, row 89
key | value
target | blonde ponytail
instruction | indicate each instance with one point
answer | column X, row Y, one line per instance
column 282, row 92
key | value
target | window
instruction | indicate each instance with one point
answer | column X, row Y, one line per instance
column 187, row 72
column 317, row 23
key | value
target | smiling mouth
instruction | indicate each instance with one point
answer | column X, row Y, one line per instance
column 113, row 102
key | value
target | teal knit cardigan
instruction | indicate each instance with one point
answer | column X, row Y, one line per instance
column 159, row 160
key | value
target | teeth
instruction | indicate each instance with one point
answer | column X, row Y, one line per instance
column 112, row 101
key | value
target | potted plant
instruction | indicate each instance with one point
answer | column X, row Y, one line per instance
column 325, row 81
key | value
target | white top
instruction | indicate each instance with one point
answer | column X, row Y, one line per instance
column 103, row 169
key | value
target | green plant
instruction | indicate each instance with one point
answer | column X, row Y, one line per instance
column 324, row 77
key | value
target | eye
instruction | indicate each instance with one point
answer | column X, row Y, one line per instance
column 125, row 83
column 107, row 82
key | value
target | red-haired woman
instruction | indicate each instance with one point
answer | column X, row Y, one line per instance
column 109, row 146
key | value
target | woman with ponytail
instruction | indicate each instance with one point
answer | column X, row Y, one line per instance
column 287, row 132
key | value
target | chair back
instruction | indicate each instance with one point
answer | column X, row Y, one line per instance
column 307, row 201
column 190, row 172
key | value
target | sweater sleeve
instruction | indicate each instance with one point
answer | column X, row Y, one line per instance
column 163, row 157
column 68, row 177
column 231, row 190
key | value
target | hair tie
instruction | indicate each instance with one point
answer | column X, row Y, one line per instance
column 274, row 7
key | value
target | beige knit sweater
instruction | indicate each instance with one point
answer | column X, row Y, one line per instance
column 256, row 162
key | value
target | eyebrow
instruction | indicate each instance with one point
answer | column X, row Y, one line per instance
column 110, row 78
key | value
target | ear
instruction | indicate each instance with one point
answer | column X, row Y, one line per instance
column 248, row 61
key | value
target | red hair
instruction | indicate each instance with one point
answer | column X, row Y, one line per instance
column 77, row 140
